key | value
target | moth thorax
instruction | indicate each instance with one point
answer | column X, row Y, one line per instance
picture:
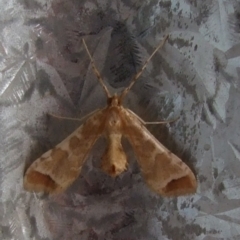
column 113, row 123
column 114, row 159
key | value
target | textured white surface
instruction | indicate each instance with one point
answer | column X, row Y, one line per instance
column 45, row 69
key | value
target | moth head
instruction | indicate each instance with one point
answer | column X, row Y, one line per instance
column 114, row 101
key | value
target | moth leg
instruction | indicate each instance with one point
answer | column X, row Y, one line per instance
column 75, row 119
column 148, row 123
column 126, row 90
column 99, row 77
column 162, row 122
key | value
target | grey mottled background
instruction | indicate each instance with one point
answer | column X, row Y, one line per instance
column 45, row 69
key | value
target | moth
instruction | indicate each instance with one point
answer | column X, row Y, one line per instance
column 58, row 168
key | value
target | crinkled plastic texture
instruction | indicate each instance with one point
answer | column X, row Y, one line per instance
column 45, row 69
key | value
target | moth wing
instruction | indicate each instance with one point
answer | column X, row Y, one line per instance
column 57, row 169
column 163, row 171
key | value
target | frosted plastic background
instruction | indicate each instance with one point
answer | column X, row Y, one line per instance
column 45, row 69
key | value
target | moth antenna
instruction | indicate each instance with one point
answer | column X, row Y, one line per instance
column 134, row 79
column 95, row 70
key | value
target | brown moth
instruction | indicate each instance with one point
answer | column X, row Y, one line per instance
column 59, row 167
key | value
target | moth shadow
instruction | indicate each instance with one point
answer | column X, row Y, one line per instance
column 94, row 181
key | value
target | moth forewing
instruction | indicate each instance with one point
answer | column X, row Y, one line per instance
column 163, row 171
column 59, row 167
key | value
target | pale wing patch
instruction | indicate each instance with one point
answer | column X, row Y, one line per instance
column 57, row 169
column 163, row 171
